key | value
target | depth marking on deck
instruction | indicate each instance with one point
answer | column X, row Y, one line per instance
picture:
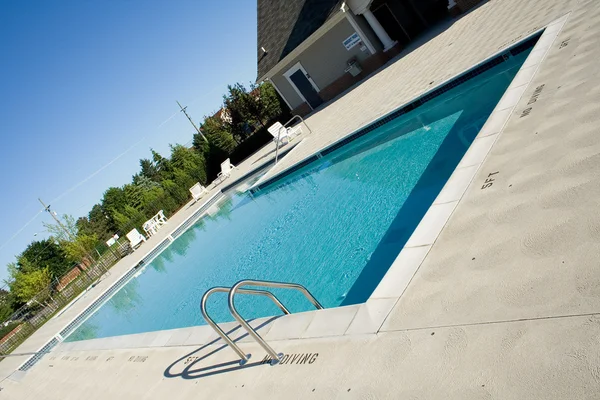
column 534, row 98
column 138, row 359
column 298, row 358
column 489, row 181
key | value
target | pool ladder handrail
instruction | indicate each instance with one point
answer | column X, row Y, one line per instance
column 221, row 289
column 237, row 288
column 284, row 126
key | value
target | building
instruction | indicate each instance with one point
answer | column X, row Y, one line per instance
column 313, row 50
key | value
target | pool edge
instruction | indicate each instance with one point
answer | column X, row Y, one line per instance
column 374, row 309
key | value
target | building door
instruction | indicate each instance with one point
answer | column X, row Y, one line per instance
column 399, row 19
column 304, row 85
column 391, row 25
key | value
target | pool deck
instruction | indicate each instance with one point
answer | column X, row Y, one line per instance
column 504, row 304
column 51, row 328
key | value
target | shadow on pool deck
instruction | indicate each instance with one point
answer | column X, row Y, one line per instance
column 191, row 359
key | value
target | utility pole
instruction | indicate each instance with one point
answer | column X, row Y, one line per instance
column 53, row 214
column 183, row 109
column 70, row 234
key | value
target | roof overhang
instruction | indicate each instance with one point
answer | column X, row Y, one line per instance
column 330, row 23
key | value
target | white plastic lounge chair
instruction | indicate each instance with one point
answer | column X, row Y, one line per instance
column 226, row 168
column 198, row 191
column 279, row 132
column 135, row 238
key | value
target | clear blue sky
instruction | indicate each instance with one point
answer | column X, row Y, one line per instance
column 83, row 82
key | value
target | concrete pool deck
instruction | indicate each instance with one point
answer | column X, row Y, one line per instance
column 51, row 328
column 506, row 303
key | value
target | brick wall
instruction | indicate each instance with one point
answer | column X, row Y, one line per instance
column 10, row 334
column 70, row 276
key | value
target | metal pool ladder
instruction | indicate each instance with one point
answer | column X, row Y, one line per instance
column 237, row 288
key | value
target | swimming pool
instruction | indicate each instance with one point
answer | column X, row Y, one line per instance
column 335, row 225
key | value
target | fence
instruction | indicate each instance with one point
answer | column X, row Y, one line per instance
column 27, row 319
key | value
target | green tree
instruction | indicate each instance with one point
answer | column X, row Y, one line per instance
column 162, row 165
column 156, row 199
column 134, row 195
column 113, row 201
column 177, row 191
column 149, row 170
column 25, row 285
column 269, row 101
column 218, row 134
column 200, row 145
column 65, row 232
column 6, row 301
column 44, row 254
column 76, row 244
column 81, row 248
column 190, row 162
column 128, row 219
column 242, row 110
column 249, row 108
column 96, row 223
column 147, row 184
column 219, row 147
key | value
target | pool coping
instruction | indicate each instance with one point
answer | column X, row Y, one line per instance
column 368, row 318
column 405, row 108
column 100, row 299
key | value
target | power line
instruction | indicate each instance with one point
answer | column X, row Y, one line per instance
column 69, row 233
column 92, row 175
column 21, row 230
column 53, row 214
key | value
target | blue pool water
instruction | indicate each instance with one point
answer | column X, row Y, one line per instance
column 334, row 226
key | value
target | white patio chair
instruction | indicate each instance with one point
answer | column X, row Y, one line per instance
column 148, row 228
column 161, row 217
column 135, row 238
column 226, row 168
column 198, row 191
column 279, row 132
column 295, row 130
